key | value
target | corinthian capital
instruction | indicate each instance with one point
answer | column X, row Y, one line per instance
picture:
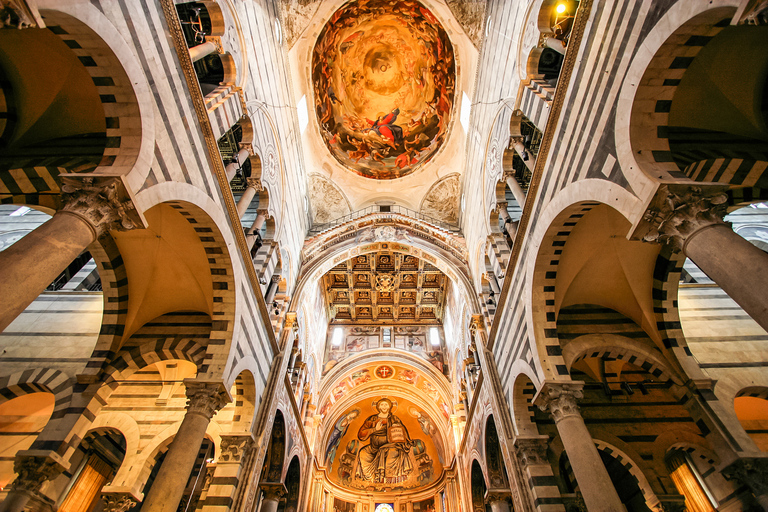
column 560, row 398
column 205, row 398
column 101, row 202
column 117, row 501
column 532, row 450
column 751, row 471
column 254, row 183
column 678, row 211
column 273, row 491
column 32, row 472
column 20, row 14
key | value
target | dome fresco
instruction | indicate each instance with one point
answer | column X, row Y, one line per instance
column 383, row 73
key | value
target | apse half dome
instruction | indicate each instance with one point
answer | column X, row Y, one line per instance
column 384, row 77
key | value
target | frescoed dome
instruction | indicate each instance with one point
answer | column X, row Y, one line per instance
column 384, row 73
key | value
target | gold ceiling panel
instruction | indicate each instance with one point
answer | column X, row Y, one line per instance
column 385, row 287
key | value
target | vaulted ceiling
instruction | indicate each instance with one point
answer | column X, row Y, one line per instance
column 385, row 287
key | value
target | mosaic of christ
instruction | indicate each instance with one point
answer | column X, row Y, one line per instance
column 384, row 75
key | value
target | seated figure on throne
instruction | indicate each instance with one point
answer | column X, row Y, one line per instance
column 385, row 459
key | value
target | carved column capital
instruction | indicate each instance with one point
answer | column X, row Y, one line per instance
column 254, row 183
column 20, row 14
column 235, row 448
column 216, row 40
column 102, row 203
column 117, row 501
column 560, row 398
column 750, row 471
column 496, row 495
column 205, row 398
column 531, row 450
column 273, row 490
column 33, row 471
column 679, row 211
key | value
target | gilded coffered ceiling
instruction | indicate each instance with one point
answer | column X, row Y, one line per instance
column 385, row 287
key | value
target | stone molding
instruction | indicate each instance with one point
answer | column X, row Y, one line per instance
column 33, row 471
column 100, row 202
column 560, row 398
column 274, row 491
column 750, row 471
column 205, row 398
column 679, row 211
column 235, row 447
column 531, row 450
column 117, row 501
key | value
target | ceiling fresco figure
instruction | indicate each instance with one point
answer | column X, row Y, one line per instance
column 384, row 76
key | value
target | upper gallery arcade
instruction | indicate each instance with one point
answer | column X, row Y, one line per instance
column 383, row 255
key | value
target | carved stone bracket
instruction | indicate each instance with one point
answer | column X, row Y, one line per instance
column 205, row 398
column 496, row 495
column 20, row 14
column 531, row 450
column 117, row 501
column 235, row 448
column 33, row 471
column 680, row 210
column 750, row 471
column 103, row 202
column 273, row 490
column 560, row 398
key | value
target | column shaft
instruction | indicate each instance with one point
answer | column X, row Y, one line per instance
column 269, row 505
column 31, row 264
column 524, row 154
column 255, row 230
column 737, row 266
column 594, row 482
column 231, row 168
column 516, row 190
column 499, row 506
column 201, row 50
column 245, row 201
column 556, row 45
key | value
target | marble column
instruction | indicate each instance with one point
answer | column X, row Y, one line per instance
column 211, row 45
column 241, row 157
column 690, row 220
column 31, row 473
column 752, row 472
column 204, row 399
column 555, row 44
column 515, row 188
column 559, row 398
column 254, row 232
column 252, row 185
column 498, row 499
column 525, row 155
column 90, row 209
column 509, row 224
column 273, row 493
column 272, row 289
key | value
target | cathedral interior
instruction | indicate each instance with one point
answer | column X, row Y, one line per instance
column 383, row 255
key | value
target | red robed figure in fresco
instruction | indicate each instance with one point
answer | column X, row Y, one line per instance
column 386, row 127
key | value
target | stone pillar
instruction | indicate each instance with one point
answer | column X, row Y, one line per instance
column 555, row 44
column 91, row 207
column 272, row 289
column 525, row 155
column 752, row 472
column 211, row 45
column 594, row 483
column 689, row 220
column 515, row 188
column 117, row 501
column 498, row 499
column 31, row 473
column 273, row 493
column 253, row 185
column 254, row 232
column 509, row 224
column 204, row 399
column 241, row 157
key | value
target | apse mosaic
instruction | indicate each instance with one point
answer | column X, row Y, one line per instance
column 384, row 444
column 377, row 372
column 384, row 75
column 412, row 338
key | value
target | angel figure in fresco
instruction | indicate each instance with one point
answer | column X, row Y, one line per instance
column 385, row 459
column 338, row 432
